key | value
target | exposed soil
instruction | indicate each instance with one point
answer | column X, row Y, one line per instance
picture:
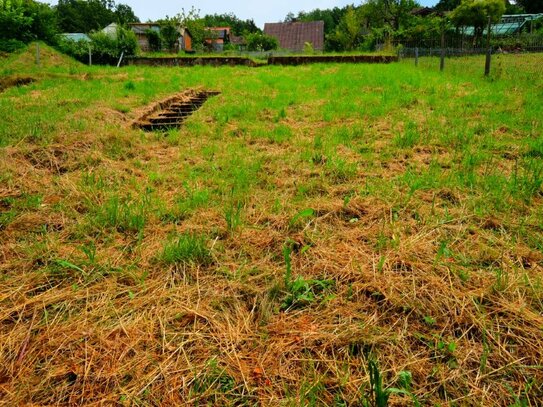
column 12, row 81
column 172, row 112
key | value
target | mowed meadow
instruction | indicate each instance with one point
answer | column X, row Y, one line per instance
column 315, row 235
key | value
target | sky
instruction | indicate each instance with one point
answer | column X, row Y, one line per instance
column 260, row 11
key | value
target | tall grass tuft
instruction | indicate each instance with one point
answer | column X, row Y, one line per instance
column 187, row 248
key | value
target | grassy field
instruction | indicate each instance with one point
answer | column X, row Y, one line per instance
column 317, row 235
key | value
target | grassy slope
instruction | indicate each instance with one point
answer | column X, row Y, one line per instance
column 150, row 268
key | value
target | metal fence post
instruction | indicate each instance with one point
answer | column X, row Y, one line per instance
column 90, row 56
column 442, row 61
column 416, row 56
column 488, row 51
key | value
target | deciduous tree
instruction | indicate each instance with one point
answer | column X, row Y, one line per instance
column 531, row 6
column 475, row 13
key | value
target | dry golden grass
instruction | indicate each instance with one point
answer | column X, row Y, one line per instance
column 432, row 282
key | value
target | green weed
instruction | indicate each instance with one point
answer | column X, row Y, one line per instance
column 187, row 248
column 301, row 292
column 124, row 215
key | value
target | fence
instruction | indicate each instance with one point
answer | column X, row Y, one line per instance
column 459, row 45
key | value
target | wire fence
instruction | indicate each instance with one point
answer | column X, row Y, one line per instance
column 456, row 46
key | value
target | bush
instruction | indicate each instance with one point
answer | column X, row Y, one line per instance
column 155, row 41
column 76, row 49
column 11, row 45
column 261, row 42
column 106, row 49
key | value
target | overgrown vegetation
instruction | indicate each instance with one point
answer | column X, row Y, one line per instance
column 314, row 235
column 105, row 48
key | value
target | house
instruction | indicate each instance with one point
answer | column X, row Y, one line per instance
column 294, row 35
column 142, row 29
column 216, row 37
column 111, row 30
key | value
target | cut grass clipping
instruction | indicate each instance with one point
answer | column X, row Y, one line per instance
column 323, row 235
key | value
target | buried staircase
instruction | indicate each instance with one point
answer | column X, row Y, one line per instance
column 172, row 112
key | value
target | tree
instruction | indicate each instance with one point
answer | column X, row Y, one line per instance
column 261, row 42
column 25, row 21
column 237, row 26
column 169, row 32
column 348, row 34
column 191, row 20
column 125, row 14
column 89, row 15
column 475, row 13
column 447, row 5
column 154, row 39
column 330, row 17
column 394, row 13
column 531, row 6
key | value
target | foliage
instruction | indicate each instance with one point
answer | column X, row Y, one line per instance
column 155, row 40
column 125, row 14
column 348, row 34
column 447, row 5
column 330, row 17
column 379, row 395
column 11, row 45
column 301, row 292
column 169, row 33
column 237, row 26
column 25, row 21
column 191, row 20
column 76, row 49
column 475, row 13
column 531, row 6
column 261, row 42
column 106, row 49
column 393, row 13
column 87, row 15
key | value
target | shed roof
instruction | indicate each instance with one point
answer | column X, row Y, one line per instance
column 293, row 36
column 77, row 36
column 141, row 28
column 509, row 24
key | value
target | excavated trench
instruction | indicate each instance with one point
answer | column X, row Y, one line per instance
column 173, row 111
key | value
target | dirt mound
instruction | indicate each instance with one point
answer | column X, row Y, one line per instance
column 26, row 59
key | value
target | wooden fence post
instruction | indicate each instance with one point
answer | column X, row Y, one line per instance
column 416, row 56
column 38, row 53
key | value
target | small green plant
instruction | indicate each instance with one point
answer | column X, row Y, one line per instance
column 409, row 138
column 301, row 292
column 232, row 215
column 379, row 395
column 214, row 384
column 300, row 216
column 308, row 48
column 129, row 85
column 123, row 214
column 187, row 248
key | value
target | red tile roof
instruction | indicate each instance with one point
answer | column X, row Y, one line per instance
column 293, row 36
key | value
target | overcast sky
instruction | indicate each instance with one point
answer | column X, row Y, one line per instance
column 261, row 12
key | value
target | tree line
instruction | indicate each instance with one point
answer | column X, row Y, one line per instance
column 348, row 28
column 378, row 21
